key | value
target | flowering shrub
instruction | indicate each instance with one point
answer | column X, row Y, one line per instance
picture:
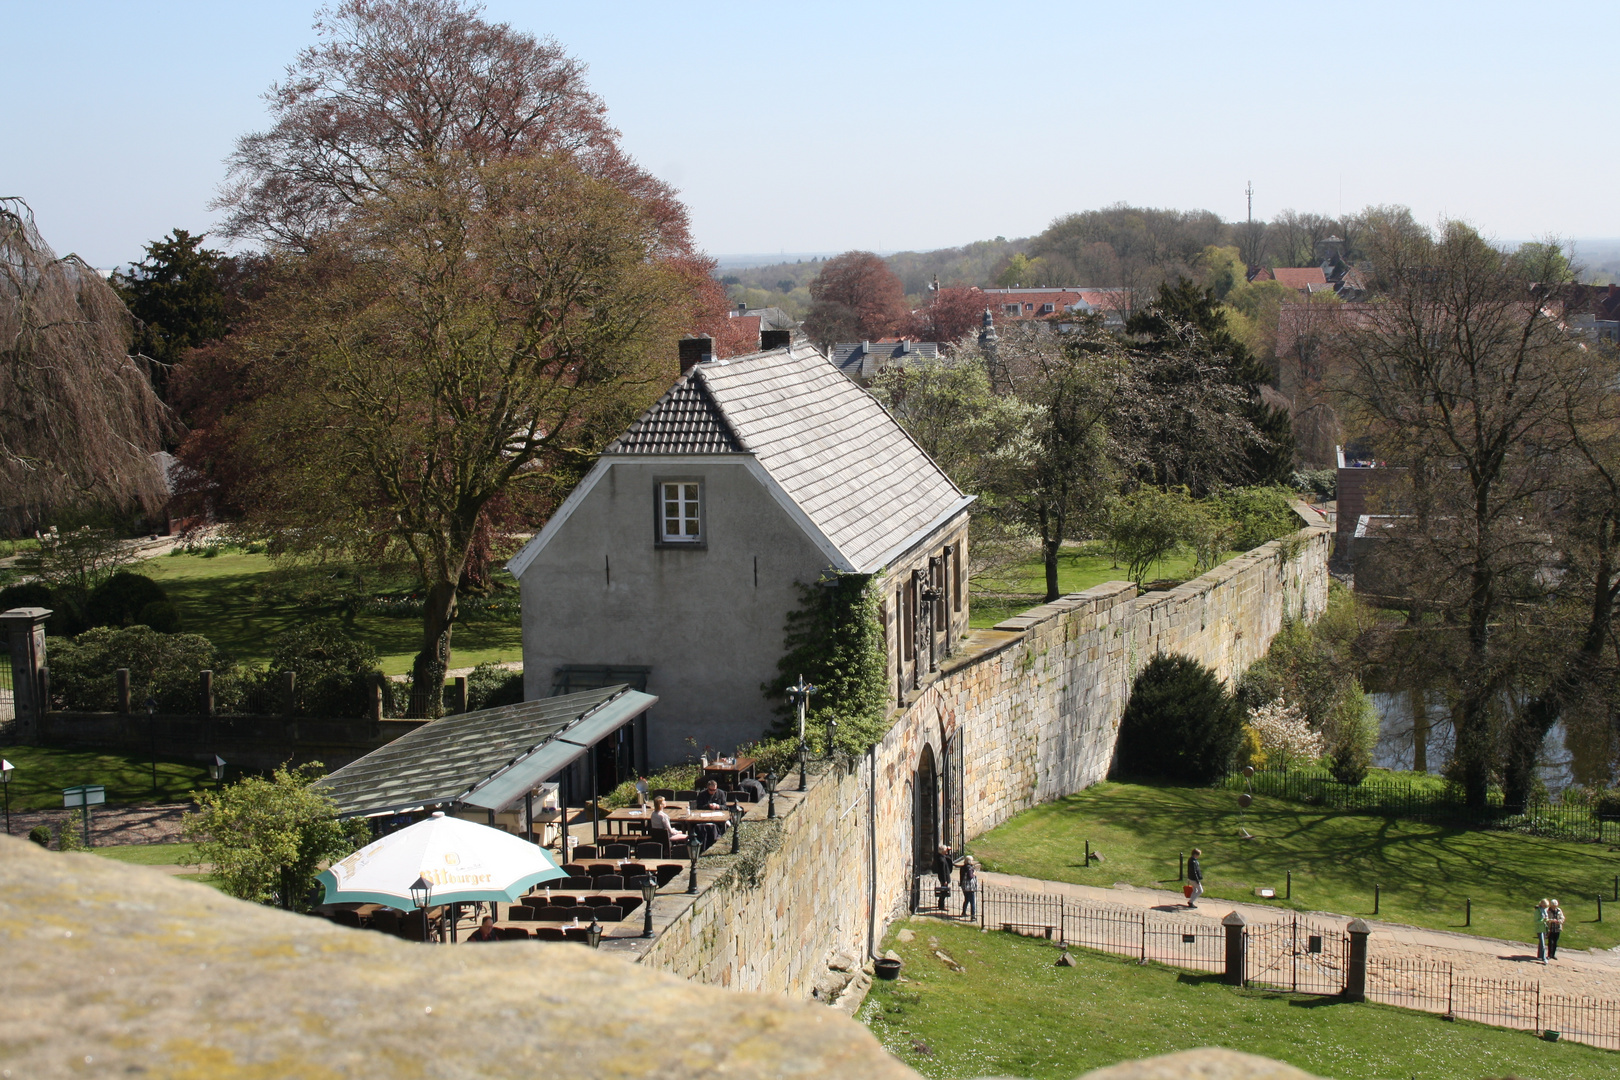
column 1285, row 736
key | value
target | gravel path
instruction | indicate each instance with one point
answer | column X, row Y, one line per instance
column 1576, row 971
column 109, row 825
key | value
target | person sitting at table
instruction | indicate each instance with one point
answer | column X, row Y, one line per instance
column 710, row 798
column 660, row 823
column 486, row 931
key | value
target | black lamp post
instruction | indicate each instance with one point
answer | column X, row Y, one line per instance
column 736, row 826
column 421, row 893
column 216, row 771
column 649, row 889
column 800, row 693
column 693, row 850
column 5, row 782
column 151, row 729
column 832, row 735
column 770, row 791
column 593, row 933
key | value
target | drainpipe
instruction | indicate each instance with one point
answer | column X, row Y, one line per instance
column 871, row 846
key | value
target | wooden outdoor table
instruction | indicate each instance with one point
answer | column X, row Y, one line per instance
column 729, row 776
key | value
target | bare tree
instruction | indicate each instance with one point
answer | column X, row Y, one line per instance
column 1464, row 376
column 78, row 418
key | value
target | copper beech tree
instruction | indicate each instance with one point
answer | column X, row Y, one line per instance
column 473, row 290
column 856, row 298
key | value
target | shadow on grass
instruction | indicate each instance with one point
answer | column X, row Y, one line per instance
column 1325, row 1001
column 1199, row 978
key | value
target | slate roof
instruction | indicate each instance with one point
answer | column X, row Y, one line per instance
column 448, row 759
column 834, row 450
column 864, row 359
column 684, row 421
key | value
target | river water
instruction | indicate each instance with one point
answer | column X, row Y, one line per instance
column 1409, row 739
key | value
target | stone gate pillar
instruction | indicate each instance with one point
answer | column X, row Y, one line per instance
column 1236, row 947
column 1355, row 974
column 24, row 631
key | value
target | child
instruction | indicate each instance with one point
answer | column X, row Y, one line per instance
column 1195, row 875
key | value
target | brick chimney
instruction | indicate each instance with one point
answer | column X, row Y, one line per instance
column 774, row 339
column 695, row 351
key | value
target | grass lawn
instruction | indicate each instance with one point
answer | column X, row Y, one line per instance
column 151, row 854
column 1426, row 870
column 240, row 602
column 1010, row 1012
column 42, row 773
column 1079, row 568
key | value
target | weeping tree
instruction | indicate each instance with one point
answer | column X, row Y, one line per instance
column 78, row 418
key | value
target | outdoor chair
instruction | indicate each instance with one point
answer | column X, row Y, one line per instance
column 549, row 933
column 521, row 913
column 586, row 851
column 514, row 933
column 574, row 869
column 576, row 884
column 616, row 851
column 609, row 913
column 659, row 837
column 581, row 912
column 596, row 901
column 685, row 795
column 347, row 918
column 739, row 796
column 632, row 870
column 650, row 849
column 598, row 869
column 755, row 789
column 682, row 850
column 608, row 882
column 574, row 933
column 385, row 920
column 668, row 872
column 668, row 793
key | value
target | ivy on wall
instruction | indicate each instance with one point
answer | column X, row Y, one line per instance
column 835, row 640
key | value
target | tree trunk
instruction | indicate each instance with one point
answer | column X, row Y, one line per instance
column 1049, row 556
column 428, row 671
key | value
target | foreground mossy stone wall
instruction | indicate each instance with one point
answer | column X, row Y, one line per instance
column 117, row 970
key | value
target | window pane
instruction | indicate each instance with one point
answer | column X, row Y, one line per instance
column 692, row 492
column 691, row 527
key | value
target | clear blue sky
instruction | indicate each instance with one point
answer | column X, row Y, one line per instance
column 823, row 126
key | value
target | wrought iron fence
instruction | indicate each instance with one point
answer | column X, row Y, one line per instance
column 1522, row 1004
column 1195, row 944
column 1401, row 798
column 8, row 698
column 1295, row 953
column 1299, row 955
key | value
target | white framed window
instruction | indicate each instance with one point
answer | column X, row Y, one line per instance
column 1047, row 309
column 1012, row 309
column 680, row 512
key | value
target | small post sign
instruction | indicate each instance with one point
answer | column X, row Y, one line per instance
column 84, row 797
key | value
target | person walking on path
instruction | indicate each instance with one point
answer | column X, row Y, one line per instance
column 1555, row 926
column 1541, row 930
column 968, row 877
column 1195, row 878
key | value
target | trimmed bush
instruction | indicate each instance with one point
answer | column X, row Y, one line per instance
column 126, row 599
column 1180, row 723
column 490, row 686
column 28, row 594
column 41, row 835
column 333, row 670
column 161, row 666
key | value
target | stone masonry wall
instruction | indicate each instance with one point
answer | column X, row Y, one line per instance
column 1038, row 702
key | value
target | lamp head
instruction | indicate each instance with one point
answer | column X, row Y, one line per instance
column 216, row 768
column 5, row 771
column 593, row 933
column 421, row 892
column 649, row 887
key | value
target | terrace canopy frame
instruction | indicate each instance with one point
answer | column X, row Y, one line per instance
column 487, row 759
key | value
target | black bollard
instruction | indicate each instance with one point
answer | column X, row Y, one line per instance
column 1088, row 854
column 1289, row 895
column 1377, row 889
column 1181, row 866
column 1600, row 908
column 1468, row 912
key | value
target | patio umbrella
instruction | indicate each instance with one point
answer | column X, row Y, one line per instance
column 462, row 860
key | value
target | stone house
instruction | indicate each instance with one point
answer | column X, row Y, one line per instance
column 674, row 563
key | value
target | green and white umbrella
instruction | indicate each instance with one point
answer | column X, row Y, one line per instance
column 462, row 860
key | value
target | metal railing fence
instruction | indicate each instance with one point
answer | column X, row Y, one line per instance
column 1422, row 802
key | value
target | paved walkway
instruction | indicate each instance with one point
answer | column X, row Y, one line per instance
column 1578, row 971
